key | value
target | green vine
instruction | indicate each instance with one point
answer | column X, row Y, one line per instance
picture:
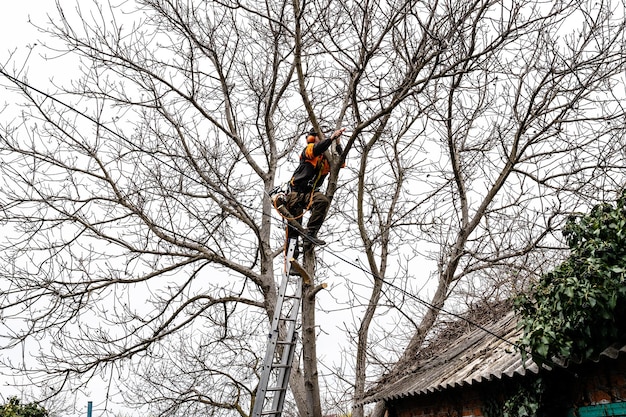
column 524, row 401
column 576, row 310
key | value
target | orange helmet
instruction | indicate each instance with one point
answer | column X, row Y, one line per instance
column 310, row 138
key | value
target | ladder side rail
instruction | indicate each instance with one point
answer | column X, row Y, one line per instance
column 270, row 352
column 282, row 381
column 290, row 335
column 265, row 375
column 274, row 336
column 279, row 399
column 291, row 328
column 282, row 290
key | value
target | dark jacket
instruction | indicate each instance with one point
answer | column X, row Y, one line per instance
column 313, row 168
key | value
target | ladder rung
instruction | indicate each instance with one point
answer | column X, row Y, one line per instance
column 280, row 365
column 287, row 309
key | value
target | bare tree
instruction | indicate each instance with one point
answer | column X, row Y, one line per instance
column 141, row 215
column 142, row 240
column 510, row 127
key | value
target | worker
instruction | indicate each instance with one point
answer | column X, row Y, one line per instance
column 305, row 186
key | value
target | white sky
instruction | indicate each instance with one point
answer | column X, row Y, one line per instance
column 17, row 36
column 14, row 27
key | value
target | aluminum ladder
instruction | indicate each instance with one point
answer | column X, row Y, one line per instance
column 273, row 385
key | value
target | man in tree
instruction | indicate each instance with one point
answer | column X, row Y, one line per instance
column 305, row 186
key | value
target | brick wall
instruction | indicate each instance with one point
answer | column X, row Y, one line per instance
column 455, row 402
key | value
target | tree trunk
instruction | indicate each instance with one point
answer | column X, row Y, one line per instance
column 309, row 343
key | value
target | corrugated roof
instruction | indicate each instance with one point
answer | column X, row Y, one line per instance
column 482, row 354
column 485, row 353
column 612, row 352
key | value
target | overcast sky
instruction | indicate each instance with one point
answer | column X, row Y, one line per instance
column 14, row 26
column 17, row 34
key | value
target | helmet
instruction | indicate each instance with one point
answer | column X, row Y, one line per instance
column 310, row 137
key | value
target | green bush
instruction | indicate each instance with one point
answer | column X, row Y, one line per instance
column 14, row 409
column 577, row 310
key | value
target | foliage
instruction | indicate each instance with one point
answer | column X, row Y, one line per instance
column 525, row 401
column 14, row 409
column 577, row 309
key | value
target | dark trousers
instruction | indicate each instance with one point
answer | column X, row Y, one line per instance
column 298, row 202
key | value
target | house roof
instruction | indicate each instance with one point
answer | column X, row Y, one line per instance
column 484, row 353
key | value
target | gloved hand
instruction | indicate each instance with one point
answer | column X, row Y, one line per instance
column 337, row 133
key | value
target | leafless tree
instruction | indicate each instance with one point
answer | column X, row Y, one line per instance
column 142, row 242
column 510, row 126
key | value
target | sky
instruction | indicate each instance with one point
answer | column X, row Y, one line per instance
column 15, row 30
column 18, row 35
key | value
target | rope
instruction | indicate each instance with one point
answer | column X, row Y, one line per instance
column 296, row 218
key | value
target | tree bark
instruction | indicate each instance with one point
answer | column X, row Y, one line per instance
column 309, row 341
